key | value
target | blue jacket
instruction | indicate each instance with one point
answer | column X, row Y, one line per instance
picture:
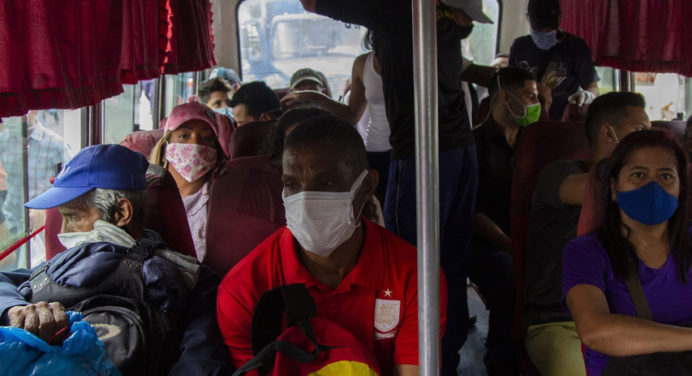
column 201, row 349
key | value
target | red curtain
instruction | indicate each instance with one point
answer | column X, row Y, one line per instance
column 190, row 42
column 75, row 53
column 642, row 35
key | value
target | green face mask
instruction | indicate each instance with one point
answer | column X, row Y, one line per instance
column 532, row 113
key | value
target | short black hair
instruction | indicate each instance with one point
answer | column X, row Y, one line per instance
column 294, row 116
column 511, row 78
column 544, row 14
column 335, row 134
column 209, row 86
column 258, row 99
column 610, row 108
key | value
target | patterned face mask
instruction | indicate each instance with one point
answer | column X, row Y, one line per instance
column 192, row 161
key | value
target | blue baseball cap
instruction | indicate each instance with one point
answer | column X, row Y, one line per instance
column 98, row 166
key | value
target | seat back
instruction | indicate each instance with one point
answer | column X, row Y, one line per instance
column 539, row 144
column 250, row 139
column 245, row 207
column 575, row 113
column 676, row 127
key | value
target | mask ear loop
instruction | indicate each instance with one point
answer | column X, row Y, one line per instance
column 361, row 178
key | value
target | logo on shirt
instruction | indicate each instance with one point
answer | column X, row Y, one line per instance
column 387, row 314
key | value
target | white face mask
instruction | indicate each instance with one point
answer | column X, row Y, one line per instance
column 322, row 221
column 102, row 232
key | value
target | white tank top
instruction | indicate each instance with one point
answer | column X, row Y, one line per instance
column 377, row 131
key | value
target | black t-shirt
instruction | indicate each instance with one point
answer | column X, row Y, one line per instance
column 553, row 225
column 569, row 68
column 390, row 21
column 495, row 166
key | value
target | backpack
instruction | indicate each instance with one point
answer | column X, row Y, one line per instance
column 134, row 332
column 309, row 345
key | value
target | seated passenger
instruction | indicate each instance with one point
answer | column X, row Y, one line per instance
column 307, row 79
column 193, row 150
column 227, row 74
column 362, row 277
column 514, row 104
column 254, row 102
column 561, row 61
column 101, row 196
column 216, row 94
column 627, row 284
column 551, row 340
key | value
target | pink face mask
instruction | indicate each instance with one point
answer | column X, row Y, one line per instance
column 191, row 161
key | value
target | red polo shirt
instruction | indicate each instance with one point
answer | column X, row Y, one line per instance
column 377, row 301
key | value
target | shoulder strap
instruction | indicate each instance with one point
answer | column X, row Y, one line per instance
column 634, row 285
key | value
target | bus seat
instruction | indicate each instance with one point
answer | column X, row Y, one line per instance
column 539, row 144
column 676, row 127
column 142, row 141
column 165, row 215
column 249, row 140
column 575, row 113
column 483, row 111
column 590, row 203
column 246, row 209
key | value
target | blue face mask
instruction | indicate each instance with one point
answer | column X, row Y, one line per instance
column 544, row 40
column 225, row 111
column 649, row 204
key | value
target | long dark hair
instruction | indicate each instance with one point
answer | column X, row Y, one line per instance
column 620, row 250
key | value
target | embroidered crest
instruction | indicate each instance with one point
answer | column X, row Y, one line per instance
column 387, row 314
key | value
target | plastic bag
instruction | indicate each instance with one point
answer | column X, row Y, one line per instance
column 82, row 353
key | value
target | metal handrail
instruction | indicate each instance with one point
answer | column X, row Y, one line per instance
column 427, row 184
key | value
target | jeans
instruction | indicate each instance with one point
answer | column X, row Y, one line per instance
column 458, row 184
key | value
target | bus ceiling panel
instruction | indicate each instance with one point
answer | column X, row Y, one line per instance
column 226, row 49
column 514, row 23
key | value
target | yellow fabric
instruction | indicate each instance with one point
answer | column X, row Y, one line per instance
column 345, row 367
column 555, row 349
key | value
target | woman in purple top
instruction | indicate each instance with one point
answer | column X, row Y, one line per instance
column 644, row 229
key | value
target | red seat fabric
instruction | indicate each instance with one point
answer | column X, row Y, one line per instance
column 250, row 139
column 676, row 127
column 575, row 113
column 165, row 215
column 143, row 141
column 539, row 144
column 245, row 207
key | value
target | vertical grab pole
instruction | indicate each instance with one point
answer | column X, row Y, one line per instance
column 26, row 260
column 427, row 184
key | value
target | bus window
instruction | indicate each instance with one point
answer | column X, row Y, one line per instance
column 179, row 88
column 119, row 116
column 668, row 95
column 54, row 136
column 480, row 46
column 277, row 37
column 608, row 80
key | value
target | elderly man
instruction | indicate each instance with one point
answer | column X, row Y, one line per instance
column 361, row 276
column 112, row 258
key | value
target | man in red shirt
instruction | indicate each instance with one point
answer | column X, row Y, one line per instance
column 361, row 276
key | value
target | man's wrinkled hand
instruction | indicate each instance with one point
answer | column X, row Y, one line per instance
column 42, row 319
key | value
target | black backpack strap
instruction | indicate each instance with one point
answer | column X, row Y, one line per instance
column 267, row 319
column 634, row 285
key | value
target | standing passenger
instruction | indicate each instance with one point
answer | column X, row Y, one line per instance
column 391, row 21
column 561, row 61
